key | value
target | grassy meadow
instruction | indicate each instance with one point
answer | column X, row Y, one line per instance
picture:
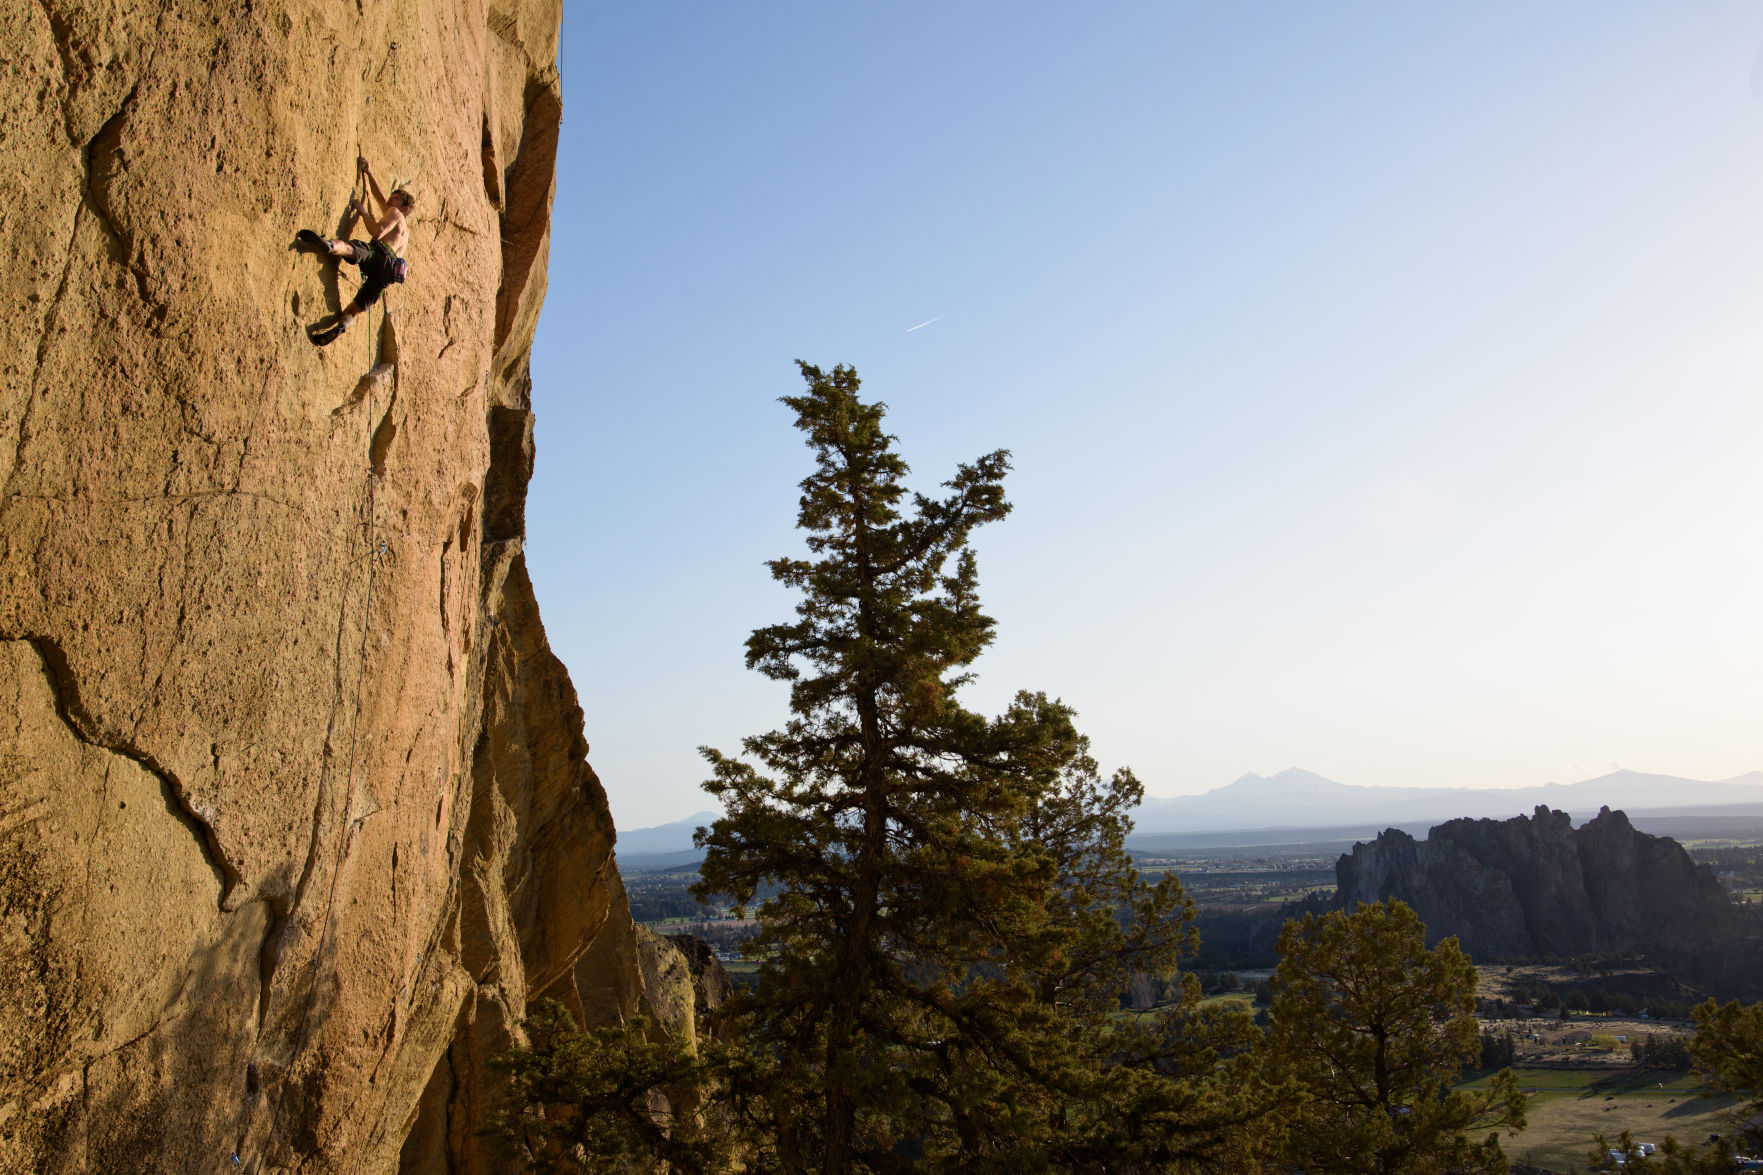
column 1569, row 1107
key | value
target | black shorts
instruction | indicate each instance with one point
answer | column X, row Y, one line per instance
column 375, row 259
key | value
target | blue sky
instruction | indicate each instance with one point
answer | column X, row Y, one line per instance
column 1381, row 379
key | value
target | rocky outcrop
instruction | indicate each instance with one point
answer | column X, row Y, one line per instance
column 295, row 809
column 1535, row 886
column 711, row 985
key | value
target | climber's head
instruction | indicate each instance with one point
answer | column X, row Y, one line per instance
column 406, row 202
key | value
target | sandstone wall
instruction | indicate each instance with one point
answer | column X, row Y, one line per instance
column 295, row 810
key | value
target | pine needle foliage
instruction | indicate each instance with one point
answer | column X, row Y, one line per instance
column 1377, row 1026
column 585, row 1101
column 1728, row 1049
column 951, row 913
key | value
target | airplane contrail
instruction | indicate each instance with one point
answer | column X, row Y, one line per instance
column 926, row 323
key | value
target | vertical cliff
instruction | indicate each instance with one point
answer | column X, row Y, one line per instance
column 295, row 809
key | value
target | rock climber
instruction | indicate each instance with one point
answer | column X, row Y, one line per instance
column 377, row 259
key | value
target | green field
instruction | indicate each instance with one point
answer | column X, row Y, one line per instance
column 741, row 970
column 1245, row 998
column 1568, row 1107
column 1599, row 1080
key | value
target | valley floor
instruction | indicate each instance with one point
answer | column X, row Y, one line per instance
column 1569, row 1108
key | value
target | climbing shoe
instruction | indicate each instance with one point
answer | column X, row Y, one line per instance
column 310, row 240
column 327, row 336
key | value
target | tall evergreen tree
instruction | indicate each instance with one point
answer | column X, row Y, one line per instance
column 952, row 913
column 1182, row 1088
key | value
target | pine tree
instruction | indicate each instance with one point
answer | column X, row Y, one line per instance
column 1178, row 1089
column 1727, row 1049
column 1377, row 1027
column 616, row 1098
column 952, row 915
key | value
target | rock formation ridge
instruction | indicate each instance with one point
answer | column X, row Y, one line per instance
column 1534, row 886
column 296, row 817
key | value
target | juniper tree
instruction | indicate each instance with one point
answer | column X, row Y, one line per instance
column 953, row 912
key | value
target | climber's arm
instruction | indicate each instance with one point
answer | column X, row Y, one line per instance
column 372, row 183
column 367, row 218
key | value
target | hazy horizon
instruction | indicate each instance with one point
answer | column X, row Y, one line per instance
column 1381, row 381
column 1752, row 778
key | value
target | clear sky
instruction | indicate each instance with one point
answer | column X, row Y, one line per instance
column 1381, row 378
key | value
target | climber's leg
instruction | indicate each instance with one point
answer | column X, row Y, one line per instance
column 330, row 334
column 373, row 284
column 311, row 242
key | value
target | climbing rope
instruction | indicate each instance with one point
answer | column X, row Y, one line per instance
column 375, row 552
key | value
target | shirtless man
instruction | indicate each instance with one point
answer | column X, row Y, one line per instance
column 377, row 259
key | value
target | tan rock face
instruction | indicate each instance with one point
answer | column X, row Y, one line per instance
column 295, row 810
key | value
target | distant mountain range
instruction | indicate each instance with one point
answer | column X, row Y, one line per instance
column 1302, row 799
column 662, row 838
column 1298, row 799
